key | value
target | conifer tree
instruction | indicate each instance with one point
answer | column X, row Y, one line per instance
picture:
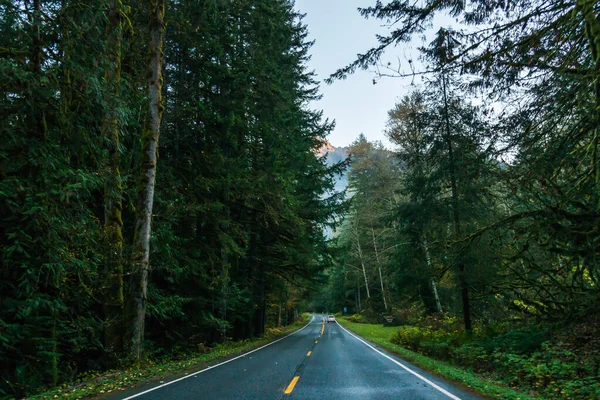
column 237, row 222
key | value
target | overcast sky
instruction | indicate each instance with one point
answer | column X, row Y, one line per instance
column 355, row 104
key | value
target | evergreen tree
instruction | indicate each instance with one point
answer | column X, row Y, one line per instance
column 237, row 222
column 506, row 192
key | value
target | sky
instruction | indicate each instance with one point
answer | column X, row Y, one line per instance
column 356, row 104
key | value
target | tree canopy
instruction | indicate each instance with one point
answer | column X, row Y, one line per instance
column 237, row 196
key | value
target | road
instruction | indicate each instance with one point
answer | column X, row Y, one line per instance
column 320, row 361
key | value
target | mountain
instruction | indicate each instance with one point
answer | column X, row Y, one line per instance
column 335, row 155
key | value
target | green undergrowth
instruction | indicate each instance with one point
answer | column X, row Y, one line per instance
column 466, row 377
column 93, row 385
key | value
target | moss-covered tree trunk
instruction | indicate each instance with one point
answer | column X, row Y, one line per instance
column 113, row 224
column 136, row 299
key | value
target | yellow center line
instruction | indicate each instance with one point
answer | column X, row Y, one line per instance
column 316, row 341
column 308, row 354
column 291, row 385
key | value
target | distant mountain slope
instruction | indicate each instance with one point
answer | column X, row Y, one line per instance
column 335, row 155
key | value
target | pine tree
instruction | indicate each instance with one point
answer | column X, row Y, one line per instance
column 237, row 224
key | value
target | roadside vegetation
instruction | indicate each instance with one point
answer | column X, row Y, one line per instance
column 478, row 228
column 526, row 363
column 111, row 255
column 95, row 384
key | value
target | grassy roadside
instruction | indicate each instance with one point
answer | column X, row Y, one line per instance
column 97, row 385
column 376, row 333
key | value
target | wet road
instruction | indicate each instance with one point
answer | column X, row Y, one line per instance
column 320, row 361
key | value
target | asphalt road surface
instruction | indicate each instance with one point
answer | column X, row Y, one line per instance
column 321, row 361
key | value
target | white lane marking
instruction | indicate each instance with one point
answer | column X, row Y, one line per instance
column 217, row 365
column 447, row 393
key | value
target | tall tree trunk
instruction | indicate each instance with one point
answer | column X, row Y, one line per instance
column 113, row 223
column 360, row 256
column 279, row 316
column 433, row 285
column 224, row 223
column 462, row 278
column 260, row 298
column 379, row 268
column 358, row 296
column 145, row 198
column 65, row 88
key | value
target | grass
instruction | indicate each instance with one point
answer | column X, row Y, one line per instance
column 380, row 335
column 93, row 385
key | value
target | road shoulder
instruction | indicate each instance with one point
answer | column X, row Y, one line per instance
column 468, row 381
column 125, row 383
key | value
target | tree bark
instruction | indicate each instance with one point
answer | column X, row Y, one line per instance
column 379, row 268
column 433, row 285
column 147, row 177
column 360, row 255
column 260, row 312
column 279, row 316
column 358, row 297
column 113, row 223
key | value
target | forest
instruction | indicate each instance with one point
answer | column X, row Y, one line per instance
column 163, row 188
column 478, row 229
column 116, row 246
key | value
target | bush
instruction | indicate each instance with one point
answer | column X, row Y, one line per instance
column 436, row 334
column 408, row 316
column 441, row 322
column 472, row 355
column 437, row 349
column 552, row 370
column 409, row 336
column 356, row 318
column 520, row 341
column 370, row 317
column 564, row 365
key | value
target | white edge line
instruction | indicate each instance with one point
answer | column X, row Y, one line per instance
column 217, row 365
column 447, row 393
